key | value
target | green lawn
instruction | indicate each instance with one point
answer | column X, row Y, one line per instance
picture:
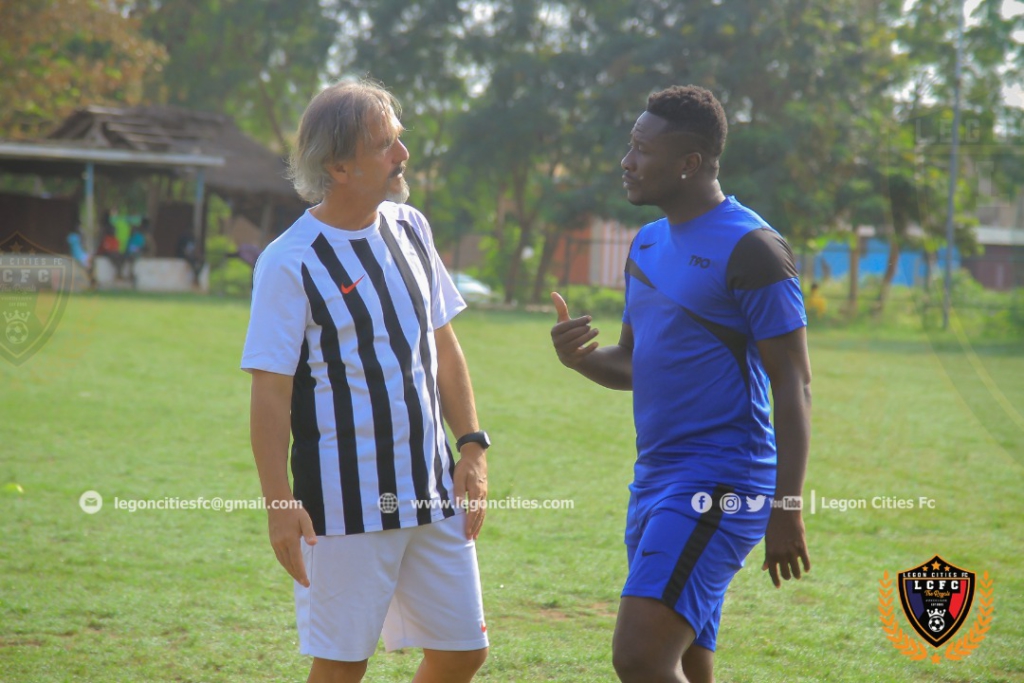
column 140, row 397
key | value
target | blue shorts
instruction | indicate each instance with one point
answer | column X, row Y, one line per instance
column 685, row 558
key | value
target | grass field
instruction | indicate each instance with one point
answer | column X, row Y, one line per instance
column 140, row 397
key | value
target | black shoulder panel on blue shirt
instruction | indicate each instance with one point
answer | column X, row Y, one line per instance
column 735, row 341
column 760, row 258
column 634, row 270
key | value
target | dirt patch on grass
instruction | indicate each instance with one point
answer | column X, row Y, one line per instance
column 20, row 642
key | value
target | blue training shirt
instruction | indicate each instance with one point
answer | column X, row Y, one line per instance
column 699, row 295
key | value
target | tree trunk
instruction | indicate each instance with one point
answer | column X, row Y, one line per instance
column 851, row 301
column 890, row 274
column 547, row 255
column 430, row 174
column 268, row 107
column 806, row 265
column 499, row 219
column 525, row 237
column 514, row 266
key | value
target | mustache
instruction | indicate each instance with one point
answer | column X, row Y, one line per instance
column 398, row 171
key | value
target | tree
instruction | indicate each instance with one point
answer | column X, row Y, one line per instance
column 915, row 178
column 472, row 163
column 258, row 61
column 382, row 39
column 59, row 55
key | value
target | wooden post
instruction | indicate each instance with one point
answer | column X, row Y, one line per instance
column 197, row 206
column 197, row 223
column 153, row 186
column 91, row 242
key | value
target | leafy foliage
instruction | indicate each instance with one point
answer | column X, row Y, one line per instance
column 518, row 110
column 59, row 55
column 257, row 60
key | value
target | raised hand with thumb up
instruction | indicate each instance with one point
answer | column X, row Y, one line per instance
column 570, row 336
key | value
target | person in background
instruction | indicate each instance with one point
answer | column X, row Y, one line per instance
column 133, row 250
column 110, row 246
column 816, row 304
column 76, row 248
column 122, row 228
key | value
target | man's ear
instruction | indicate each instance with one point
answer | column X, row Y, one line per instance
column 692, row 163
column 340, row 171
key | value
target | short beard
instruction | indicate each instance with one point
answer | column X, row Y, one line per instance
column 401, row 195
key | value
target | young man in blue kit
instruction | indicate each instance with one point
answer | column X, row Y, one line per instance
column 714, row 318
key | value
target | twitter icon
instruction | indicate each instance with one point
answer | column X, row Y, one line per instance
column 756, row 503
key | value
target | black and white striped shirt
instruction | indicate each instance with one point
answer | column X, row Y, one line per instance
column 351, row 316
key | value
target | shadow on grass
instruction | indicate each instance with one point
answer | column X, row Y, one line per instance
column 197, row 298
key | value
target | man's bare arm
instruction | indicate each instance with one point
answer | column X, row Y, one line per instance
column 269, row 428
column 789, row 370
column 610, row 366
column 459, row 409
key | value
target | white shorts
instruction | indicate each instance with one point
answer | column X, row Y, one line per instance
column 420, row 587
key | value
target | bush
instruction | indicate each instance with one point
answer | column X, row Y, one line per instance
column 228, row 276
column 595, row 301
column 233, row 277
column 980, row 312
column 217, row 249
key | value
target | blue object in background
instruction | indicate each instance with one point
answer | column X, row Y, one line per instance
column 910, row 270
column 77, row 251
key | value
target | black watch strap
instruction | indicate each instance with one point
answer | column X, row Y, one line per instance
column 474, row 437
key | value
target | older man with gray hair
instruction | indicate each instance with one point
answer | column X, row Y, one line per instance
column 351, row 349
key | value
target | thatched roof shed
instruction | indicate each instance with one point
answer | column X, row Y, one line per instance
column 127, row 144
column 251, row 173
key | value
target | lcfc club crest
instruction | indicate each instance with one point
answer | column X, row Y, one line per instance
column 34, row 289
column 936, row 597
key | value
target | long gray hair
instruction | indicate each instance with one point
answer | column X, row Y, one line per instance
column 330, row 129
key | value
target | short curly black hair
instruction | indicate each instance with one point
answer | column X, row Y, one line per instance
column 694, row 110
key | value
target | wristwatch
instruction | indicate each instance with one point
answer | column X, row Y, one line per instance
column 474, row 437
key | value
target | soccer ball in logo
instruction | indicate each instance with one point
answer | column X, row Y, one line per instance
column 17, row 332
column 935, row 621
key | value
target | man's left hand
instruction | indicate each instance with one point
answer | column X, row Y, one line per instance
column 785, row 547
column 471, row 487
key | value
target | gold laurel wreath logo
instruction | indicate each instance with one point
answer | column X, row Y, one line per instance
column 915, row 649
column 904, row 642
column 968, row 642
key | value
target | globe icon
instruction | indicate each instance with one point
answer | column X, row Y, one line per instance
column 17, row 332
column 388, row 503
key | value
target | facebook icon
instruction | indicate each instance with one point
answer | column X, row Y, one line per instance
column 701, row 502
